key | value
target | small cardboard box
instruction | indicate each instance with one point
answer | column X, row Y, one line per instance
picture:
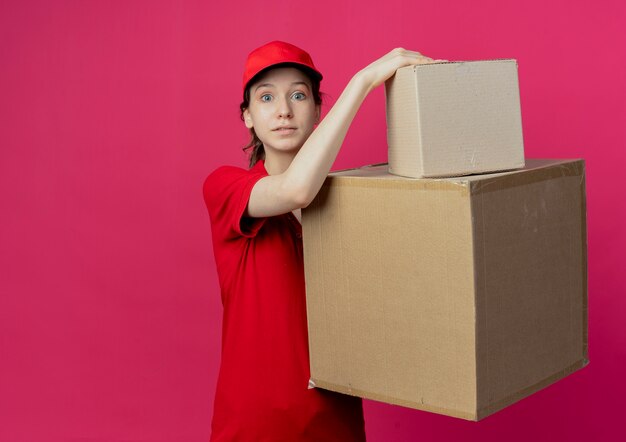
column 458, row 296
column 453, row 119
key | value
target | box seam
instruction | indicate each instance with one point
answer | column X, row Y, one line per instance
column 420, row 166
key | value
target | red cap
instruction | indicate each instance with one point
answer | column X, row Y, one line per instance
column 276, row 52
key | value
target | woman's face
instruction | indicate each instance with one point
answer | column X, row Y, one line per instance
column 282, row 110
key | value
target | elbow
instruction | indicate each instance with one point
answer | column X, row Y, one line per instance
column 298, row 193
column 300, row 196
column 306, row 203
column 302, row 199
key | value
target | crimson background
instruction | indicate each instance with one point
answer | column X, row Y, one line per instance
column 113, row 112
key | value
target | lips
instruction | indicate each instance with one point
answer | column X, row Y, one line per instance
column 284, row 129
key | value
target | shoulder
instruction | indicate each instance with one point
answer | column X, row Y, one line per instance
column 228, row 181
column 223, row 176
column 226, row 193
column 225, row 173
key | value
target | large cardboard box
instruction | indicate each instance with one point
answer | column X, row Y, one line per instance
column 455, row 118
column 458, row 296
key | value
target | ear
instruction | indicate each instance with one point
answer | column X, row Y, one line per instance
column 247, row 119
column 318, row 110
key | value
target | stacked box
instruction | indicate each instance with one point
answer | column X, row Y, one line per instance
column 458, row 296
column 453, row 119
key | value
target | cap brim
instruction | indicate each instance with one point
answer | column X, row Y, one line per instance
column 311, row 72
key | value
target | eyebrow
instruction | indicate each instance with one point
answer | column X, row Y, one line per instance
column 272, row 85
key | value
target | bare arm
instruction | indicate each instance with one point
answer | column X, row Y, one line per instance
column 297, row 186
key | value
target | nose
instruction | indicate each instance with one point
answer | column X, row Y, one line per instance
column 284, row 108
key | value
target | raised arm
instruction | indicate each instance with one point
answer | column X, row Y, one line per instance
column 297, row 186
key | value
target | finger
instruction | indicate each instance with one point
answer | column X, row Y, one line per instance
column 423, row 60
column 430, row 61
column 404, row 53
column 414, row 53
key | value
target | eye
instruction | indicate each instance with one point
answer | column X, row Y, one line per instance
column 298, row 96
column 266, row 97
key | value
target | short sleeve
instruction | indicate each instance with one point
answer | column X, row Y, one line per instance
column 226, row 194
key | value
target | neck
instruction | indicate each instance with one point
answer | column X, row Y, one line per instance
column 277, row 163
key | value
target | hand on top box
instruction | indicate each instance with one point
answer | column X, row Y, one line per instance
column 382, row 69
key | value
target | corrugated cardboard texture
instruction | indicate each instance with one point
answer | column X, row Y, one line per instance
column 457, row 296
column 452, row 119
column 364, row 275
column 529, row 248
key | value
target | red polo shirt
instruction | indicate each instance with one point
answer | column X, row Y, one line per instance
column 262, row 389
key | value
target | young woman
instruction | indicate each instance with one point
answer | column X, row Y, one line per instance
column 262, row 390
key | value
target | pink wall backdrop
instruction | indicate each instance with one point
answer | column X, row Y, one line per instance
column 113, row 112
